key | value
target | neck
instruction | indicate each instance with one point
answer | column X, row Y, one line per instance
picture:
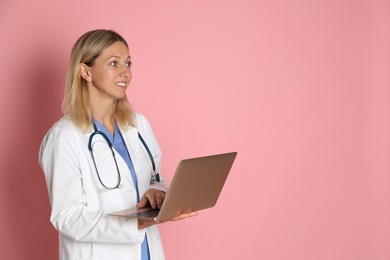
column 104, row 113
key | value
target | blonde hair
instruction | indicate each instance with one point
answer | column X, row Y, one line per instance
column 75, row 104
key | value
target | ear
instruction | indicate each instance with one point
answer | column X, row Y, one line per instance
column 84, row 72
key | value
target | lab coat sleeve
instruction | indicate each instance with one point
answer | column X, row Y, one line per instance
column 146, row 131
column 71, row 214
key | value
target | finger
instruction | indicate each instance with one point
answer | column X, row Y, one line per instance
column 193, row 214
column 142, row 203
column 160, row 199
column 185, row 215
column 180, row 217
column 152, row 200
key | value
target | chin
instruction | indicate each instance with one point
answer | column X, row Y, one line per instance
column 121, row 96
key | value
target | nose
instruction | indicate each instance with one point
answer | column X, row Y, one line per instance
column 125, row 71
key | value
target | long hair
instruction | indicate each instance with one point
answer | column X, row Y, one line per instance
column 75, row 104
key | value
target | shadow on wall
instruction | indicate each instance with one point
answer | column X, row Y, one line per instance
column 37, row 107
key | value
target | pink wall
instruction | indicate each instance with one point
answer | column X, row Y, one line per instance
column 301, row 89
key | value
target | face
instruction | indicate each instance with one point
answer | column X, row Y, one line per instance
column 110, row 75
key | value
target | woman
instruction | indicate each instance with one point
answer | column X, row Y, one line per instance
column 87, row 179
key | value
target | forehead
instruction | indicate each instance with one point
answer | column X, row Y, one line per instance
column 118, row 49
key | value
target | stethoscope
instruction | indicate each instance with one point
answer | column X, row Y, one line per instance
column 155, row 176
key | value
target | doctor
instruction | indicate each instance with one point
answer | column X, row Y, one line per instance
column 102, row 157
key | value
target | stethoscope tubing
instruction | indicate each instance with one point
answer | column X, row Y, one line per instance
column 155, row 176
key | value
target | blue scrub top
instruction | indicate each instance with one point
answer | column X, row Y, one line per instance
column 119, row 145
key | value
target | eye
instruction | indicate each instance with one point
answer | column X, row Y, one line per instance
column 114, row 63
column 128, row 64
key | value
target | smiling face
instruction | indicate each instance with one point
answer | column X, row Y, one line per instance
column 110, row 74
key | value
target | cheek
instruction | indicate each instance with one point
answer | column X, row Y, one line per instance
column 105, row 77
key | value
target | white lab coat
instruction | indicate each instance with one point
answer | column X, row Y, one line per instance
column 79, row 205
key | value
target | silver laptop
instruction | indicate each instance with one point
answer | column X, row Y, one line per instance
column 196, row 185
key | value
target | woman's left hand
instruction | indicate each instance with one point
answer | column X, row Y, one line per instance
column 144, row 223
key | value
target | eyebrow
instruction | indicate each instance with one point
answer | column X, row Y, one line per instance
column 118, row 57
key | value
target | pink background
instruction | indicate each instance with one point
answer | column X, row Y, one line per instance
column 301, row 89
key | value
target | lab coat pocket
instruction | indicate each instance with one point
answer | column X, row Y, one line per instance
column 117, row 199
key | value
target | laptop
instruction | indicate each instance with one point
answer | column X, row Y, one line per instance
column 196, row 185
